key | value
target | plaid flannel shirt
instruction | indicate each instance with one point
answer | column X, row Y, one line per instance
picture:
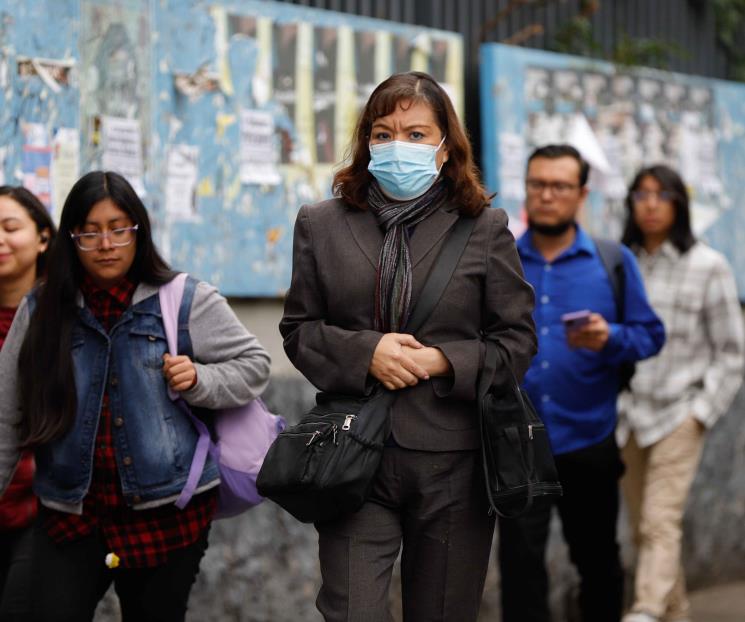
column 699, row 370
column 18, row 506
column 140, row 538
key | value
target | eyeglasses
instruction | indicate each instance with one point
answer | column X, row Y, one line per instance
column 646, row 195
column 558, row 188
column 93, row 241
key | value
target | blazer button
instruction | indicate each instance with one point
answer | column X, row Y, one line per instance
column 118, row 422
column 127, row 461
column 114, row 381
column 137, row 499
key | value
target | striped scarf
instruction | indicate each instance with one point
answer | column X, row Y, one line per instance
column 393, row 286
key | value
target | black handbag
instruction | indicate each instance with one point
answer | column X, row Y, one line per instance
column 324, row 466
column 518, row 463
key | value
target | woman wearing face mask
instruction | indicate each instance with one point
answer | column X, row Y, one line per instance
column 359, row 263
column 85, row 368
column 25, row 233
column 676, row 396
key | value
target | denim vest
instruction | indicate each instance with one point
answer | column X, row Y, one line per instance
column 154, row 441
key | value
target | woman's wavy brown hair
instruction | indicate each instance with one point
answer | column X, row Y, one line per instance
column 352, row 182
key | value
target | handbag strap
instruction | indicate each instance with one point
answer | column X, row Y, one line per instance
column 493, row 354
column 175, row 304
column 441, row 273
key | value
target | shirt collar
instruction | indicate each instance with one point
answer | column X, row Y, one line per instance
column 120, row 292
column 582, row 244
column 667, row 249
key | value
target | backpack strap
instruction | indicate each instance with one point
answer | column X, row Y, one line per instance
column 611, row 256
column 184, row 338
column 175, row 298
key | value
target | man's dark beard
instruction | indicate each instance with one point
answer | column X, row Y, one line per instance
column 555, row 230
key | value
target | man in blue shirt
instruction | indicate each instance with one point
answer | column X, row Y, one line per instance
column 573, row 382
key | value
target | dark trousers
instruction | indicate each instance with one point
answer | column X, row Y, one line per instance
column 15, row 574
column 70, row 579
column 589, row 514
column 433, row 502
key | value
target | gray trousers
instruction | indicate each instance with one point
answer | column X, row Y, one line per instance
column 435, row 504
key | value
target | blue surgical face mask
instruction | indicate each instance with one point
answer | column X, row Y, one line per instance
column 404, row 170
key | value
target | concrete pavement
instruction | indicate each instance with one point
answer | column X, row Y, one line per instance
column 723, row 603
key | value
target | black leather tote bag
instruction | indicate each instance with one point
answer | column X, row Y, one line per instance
column 518, row 464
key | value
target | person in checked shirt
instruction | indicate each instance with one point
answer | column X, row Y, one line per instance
column 84, row 374
column 679, row 394
column 26, row 230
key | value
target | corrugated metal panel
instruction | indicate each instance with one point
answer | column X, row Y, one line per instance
column 690, row 24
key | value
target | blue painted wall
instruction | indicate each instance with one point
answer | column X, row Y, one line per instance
column 528, row 98
column 127, row 55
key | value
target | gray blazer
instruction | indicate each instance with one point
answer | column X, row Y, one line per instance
column 328, row 317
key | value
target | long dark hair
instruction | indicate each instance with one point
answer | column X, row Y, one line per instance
column 45, row 371
column 460, row 174
column 38, row 213
column 681, row 235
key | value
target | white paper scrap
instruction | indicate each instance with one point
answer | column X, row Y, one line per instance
column 181, row 181
column 259, row 151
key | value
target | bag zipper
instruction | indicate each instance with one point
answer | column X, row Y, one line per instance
column 318, row 434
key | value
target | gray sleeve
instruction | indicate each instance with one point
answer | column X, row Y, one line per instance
column 9, row 409
column 232, row 366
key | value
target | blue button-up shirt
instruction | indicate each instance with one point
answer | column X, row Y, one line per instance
column 575, row 391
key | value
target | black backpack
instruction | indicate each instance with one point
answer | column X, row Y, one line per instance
column 611, row 256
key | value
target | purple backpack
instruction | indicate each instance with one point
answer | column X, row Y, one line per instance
column 244, row 434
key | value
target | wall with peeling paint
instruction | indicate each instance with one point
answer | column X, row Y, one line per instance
column 622, row 119
column 186, row 71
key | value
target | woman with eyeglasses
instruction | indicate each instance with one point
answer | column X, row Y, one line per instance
column 676, row 396
column 83, row 382
column 26, row 231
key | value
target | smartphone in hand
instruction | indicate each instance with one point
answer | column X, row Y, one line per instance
column 576, row 319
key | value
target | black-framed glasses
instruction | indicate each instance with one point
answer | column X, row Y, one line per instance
column 123, row 236
column 640, row 196
column 557, row 188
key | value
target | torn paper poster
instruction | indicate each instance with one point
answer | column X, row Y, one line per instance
column 65, row 165
column 512, row 156
column 582, row 137
column 259, row 153
column 181, row 182
column 122, row 149
column 36, row 162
